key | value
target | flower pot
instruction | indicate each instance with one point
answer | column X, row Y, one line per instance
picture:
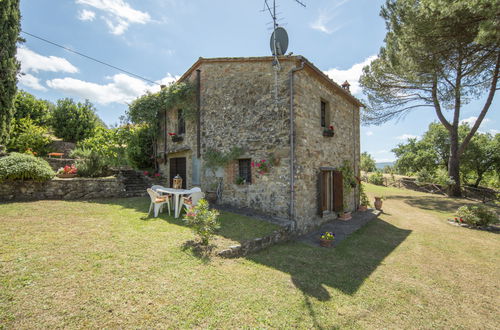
column 65, row 175
column 177, row 138
column 325, row 242
column 328, row 133
column 378, row 203
column 345, row 216
column 362, row 208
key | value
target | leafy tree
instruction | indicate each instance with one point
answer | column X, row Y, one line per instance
column 414, row 156
column 9, row 67
column 28, row 106
column 139, row 147
column 74, row 121
column 367, row 162
column 438, row 54
column 482, row 156
column 109, row 144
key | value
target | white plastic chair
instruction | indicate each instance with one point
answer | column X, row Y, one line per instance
column 196, row 189
column 192, row 200
column 157, row 202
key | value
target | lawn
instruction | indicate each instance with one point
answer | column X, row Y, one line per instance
column 103, row 264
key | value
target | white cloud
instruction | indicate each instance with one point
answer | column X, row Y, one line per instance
column 31, row 81
column 34, row 62
column 384, row 160
column 122, row 88
column 407, row 136
column 118, row 14
column 494, row 131
column 324, row 17
column 86, row 15
column 369, row 133
column 471, row 120
column 351, row 75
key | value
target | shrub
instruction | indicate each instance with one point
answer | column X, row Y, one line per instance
column 110, row 144
column 376, row 178
column 27, row 135
column 89, row 163
column 363, row 198
column 140, row 147
column 424, row 176
column 203, row 221
column 74, row 121
column 24, row 167
column 477, row 215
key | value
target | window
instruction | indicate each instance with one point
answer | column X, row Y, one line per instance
column 245, row 170
column 323, row 114
column 181, row 124
column 331, row 195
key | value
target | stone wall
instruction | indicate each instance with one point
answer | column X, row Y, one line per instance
column 313, row 150
column 75, row 188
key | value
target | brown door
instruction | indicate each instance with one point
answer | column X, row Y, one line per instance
column 338, row 191
column 178, row 166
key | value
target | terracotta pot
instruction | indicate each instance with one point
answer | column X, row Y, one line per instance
column 378, row 203
column 325, row 242
column 345, row 216
column 362, row 208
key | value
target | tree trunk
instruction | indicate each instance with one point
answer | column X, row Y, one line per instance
column 454, row 165
column 478, row 180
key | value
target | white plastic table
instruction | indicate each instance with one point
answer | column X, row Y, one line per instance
column 177, row 200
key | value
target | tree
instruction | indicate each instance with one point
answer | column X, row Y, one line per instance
column 74, row 121
column 438, row 54
column 415, row 156
column 9, row 66
column 482, row 156
column 28, row 106
column 367, row 162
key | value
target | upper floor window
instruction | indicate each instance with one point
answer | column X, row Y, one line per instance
column 323, row 114
column 181, row 123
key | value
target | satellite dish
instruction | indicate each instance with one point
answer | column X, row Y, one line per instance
column 281, row 41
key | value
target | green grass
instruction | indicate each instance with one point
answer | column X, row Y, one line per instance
column 102, row 264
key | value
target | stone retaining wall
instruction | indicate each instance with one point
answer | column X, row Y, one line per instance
column 75, row 188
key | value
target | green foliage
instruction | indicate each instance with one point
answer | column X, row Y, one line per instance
column 18, row 166
column 364, row 201
column 28, row 106
column 90, row 164
column 203, row 221
column 28, row 136
column 424, row 176
column 481, row 156
column 376, row 178
column 215, row 159
column 367, row 163
column 349, row 181
column 9, row 66
column 74, row 122
column 477, row 215
column 140, row 147
column 109, row 144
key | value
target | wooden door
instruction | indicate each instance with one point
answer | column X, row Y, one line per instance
column 178, row 166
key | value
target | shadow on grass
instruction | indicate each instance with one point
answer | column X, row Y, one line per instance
column 433, row 203
column 345, row 267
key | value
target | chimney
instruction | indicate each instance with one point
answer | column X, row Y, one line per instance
column 346, row 86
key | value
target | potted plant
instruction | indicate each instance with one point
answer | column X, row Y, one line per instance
column 364, row 202
column 67, row 171
column 240, row 180
column 378, row 202
column 175, row 137
column 329, row 132
column 262, row 166
column 326, row 239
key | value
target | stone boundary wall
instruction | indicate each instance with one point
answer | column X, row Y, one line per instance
column 281, row 235
column 67, row 189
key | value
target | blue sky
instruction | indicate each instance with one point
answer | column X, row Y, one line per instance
column 161, row 39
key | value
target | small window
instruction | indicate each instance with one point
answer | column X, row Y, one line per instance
column 181, row 124
column 323, row 114
column 245, row 170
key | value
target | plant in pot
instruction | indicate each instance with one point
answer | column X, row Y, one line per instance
column 364, row 202
column 378, row 202
column 67, row 171
column 175, row 137
column 348, row 182
column 329, row 132
column 326, row 239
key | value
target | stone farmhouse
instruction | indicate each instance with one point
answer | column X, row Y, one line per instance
column 279, row 113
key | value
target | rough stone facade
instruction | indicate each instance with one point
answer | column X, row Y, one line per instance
column 76, row 188
column 245, row 103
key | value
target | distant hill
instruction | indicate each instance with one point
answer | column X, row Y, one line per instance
column 383, row 164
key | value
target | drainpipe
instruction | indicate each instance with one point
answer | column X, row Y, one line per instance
column 198, row 115
column 292, row 143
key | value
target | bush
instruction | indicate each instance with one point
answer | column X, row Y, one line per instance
column 28, row 136
column 362, row 195
column 24, row 167
column 110, row 144
column 203, row 221
column 89, row 163
column 477, row 215
column 376, row 178
column 74, row 121
column 140, row 147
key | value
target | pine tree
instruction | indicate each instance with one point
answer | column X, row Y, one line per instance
column 9, row 66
